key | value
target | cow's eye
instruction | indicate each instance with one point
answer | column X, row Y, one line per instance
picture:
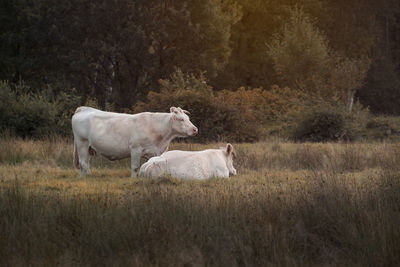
column 181, row 119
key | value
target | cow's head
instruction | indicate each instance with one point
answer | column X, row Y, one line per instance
column 230, row 154
column 181, row 123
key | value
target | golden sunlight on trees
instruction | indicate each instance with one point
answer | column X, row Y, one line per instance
column 245, row 114
column 300, row 53
column 303, row 60
column 115, row 52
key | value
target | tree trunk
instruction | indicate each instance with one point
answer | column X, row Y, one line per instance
column 350, row 101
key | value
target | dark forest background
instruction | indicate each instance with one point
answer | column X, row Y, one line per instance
column 261, row 62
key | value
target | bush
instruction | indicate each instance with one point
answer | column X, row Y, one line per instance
column 215, row 120
column 66, row 103
column 28, row 114
column 325, row 122
column 382, row 127
column 240, row 116
column 7, row 97
column 322, row 125
column 265, row 112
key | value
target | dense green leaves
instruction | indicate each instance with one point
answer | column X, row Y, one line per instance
column 28, row 114
column 116, row 51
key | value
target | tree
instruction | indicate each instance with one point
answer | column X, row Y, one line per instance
column 117, row 50
column 300, row 53
column 193, row 36
column 381, row 91
column 249, row 65
column 302, row 58
column 22, row 35
column 113, row 50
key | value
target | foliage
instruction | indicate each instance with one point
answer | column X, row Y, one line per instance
column 249, row 65
column 239, row 115
column 213, row 119
column 380, row 92
column 323, row 125
column 323, row 122
column 302, row 58
column 382, row 128
column 266, row 105
column 66, row 103
column 30, row 114
column 116, row 51
column 299, row 51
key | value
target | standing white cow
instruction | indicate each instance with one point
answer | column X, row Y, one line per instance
column 117, row 135
column 191, row 164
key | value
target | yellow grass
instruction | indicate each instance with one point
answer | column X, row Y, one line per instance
column 290, row 205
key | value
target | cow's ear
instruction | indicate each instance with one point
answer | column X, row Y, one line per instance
column 186, row 112
column 173, row 110
column 229, row 149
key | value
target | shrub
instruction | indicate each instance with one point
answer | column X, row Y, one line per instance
column 28, row 114
column 239, row 116
column 325, row 122
column 303, row 59
column 66, row 103
column 215, row 120
column 265, row 112
column 382, row 127
column 7, row 97
column 322, row 125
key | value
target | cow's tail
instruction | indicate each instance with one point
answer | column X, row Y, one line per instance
column 76, row 157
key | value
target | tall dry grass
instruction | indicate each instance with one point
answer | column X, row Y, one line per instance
column 290, row 205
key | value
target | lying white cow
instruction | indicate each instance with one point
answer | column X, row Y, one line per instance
column 117, row 135
column 191, row 164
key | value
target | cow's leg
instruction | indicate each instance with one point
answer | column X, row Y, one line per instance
column 83, row 151
column 136, row 154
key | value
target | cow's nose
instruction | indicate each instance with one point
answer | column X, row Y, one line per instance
column 195, row 130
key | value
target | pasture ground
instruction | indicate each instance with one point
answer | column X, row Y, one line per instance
column 290, row 205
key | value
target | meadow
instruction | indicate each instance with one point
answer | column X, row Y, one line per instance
column 291, row 204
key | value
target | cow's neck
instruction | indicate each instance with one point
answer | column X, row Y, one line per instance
column 165, row 132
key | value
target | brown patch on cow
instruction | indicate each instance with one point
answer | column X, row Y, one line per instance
column 159, row 138
column 155, row 135
column 92, row 152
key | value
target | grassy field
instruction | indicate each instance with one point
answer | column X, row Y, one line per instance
column 290, row 205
